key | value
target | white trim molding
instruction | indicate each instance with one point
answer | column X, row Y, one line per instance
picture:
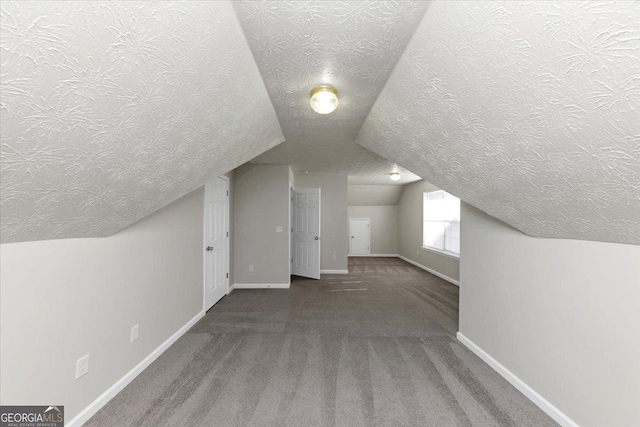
column 441, row 252
column 557, row 415
column 435, row 273
column 105, row 397
column 334, row 271
column 375, row 255
column 261, row 286
column 231, row 288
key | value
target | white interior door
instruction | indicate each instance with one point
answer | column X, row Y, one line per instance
column 360, row 238
column 216, row 240
column 306, row 233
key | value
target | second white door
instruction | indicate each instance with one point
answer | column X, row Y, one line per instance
column 306, row 233
column 359, row 241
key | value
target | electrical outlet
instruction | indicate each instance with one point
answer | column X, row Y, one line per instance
column 82, row 366
column 279, row 229
column 333, row 257
column 251, row 268
column 135, row 333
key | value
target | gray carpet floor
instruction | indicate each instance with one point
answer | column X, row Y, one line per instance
column 376, row 347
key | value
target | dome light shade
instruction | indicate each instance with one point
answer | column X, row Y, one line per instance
column 324, row 99
column 394, row 176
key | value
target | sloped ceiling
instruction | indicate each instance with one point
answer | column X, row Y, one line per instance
column 352, row 45
column 529, row 111
column 374, row 195
column 111, row 110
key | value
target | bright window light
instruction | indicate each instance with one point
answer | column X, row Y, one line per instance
column 441, row 227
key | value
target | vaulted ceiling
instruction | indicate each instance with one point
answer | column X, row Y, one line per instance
column 111, row 110
column 352, row 46
column 529, row 111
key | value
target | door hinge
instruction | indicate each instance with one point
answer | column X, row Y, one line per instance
column 227, row 193
column 227, row 234
column 227, row 275
column 292, row 260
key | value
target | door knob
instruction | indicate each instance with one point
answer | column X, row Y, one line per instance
column 317, row 238
column 209, row 248
column 352, row 237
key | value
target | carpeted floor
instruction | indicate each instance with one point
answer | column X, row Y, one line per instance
column 376, row 347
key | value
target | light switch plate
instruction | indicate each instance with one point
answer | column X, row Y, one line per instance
column 135, row 333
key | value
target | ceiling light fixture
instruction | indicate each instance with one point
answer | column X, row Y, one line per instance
column 394, row 176
column 324, row 99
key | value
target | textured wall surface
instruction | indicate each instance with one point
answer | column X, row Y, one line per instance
column 351, row 45
column 111, row 110
column 529, row 111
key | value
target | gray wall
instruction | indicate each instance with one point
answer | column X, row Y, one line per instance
column 334, row 222
column 410, row 232
column 384, row 227
column 62, row 299
column 260, row 204
column 374, row 195
column 231, row 231
column 562, row 315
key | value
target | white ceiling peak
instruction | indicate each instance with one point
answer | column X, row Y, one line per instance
column 527, row 110
column 112, row 110
column 350, row 45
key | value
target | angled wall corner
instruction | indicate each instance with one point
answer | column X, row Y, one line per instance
column 525, row 110
column 111, row 111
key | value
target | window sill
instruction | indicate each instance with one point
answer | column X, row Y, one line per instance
column 443, row 253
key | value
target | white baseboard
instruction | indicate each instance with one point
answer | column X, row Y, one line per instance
column 261, row 286
column 557, row 415
column 334, row 271
column 435, row 273
column 97, row 404
column 375, row 255
column 231, row 288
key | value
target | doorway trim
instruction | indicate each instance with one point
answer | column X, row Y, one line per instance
column 204, row 240
column 291, row 192
column 351, row 234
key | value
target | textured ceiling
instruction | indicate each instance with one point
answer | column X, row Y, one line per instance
column 374, row 195
column 350, row 45
column 529, row 111
column 111, row 110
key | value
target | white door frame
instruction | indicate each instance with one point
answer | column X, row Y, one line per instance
column 291, row 190
column 204, row 241
column 306, row 271
column 351, row 234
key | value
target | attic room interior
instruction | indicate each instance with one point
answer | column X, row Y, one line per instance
column 319, row 213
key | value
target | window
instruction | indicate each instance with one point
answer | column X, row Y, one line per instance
column 441, row 227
